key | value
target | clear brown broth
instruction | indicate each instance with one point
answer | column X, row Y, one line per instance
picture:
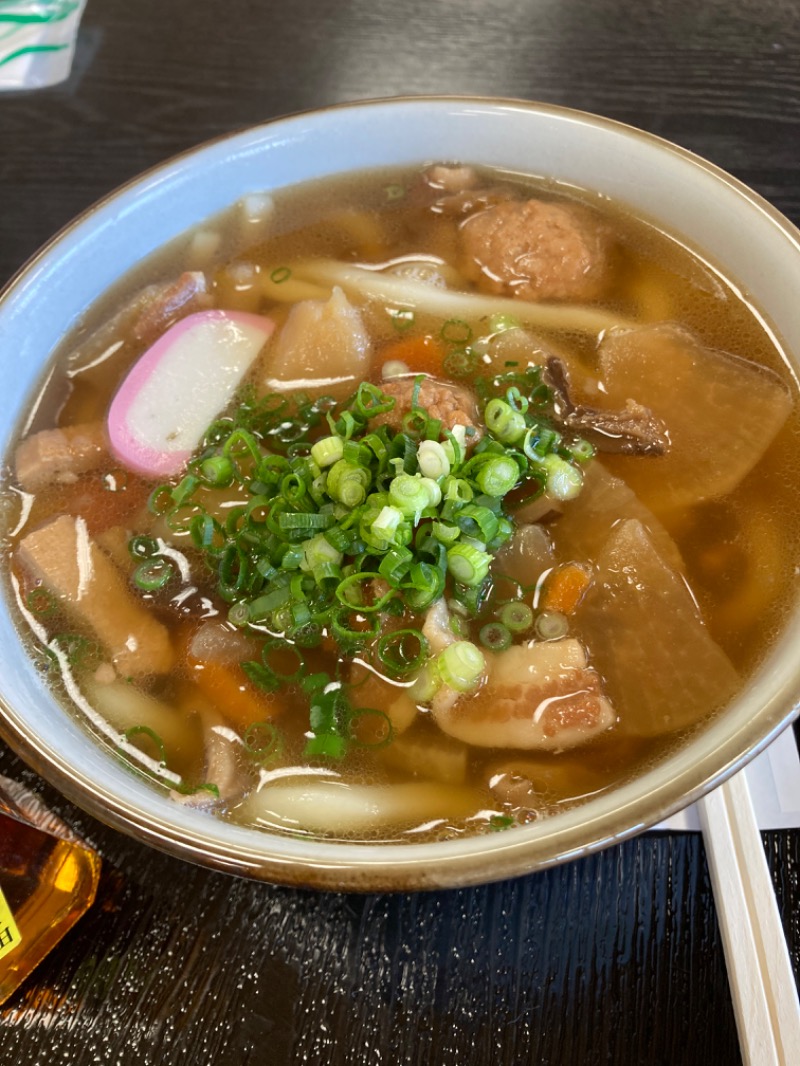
column 740, row 550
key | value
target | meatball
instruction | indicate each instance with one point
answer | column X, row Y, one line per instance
column 452, row 404
column 537, row 250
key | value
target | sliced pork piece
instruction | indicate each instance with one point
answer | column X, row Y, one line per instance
column 167, row 303
column 662, row 669
column 60, row 455
column 538, row 695
column 454, row 405
column 323, row 348
column 144, row 317
column 721, row 412
column 436, row 628
column 537, row 250
column 85, row 581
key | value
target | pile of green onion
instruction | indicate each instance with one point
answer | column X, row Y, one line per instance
column 346, row 522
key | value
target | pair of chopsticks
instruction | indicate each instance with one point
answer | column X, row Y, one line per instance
column 760, row 971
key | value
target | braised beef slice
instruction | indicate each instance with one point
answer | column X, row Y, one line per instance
column 632, row 431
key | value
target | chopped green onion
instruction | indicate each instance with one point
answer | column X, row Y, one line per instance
column 504, row 422
column 184, row 490
column 348, row 483
column 454, row 331
column 499, row 323
column 446, row 534
column 432, row 459
column 280, row 274
column 217, row 471
column 142, row 547
column 262, row 741
column 402, row 319
column 191, row 790
column 539, row 441
column 146, row 731
column 517, row 616
column 497, row 476
column 79, row 651
column 327, row 451
column 551, row 625
column 41, row 602
column 385, row 525
column 475, row 520
column 319, row 550
column 239, row 614
column 280, row 648
column 468, row 564
column 327, row 745
column 581, row 451
column 409, row 495
column 153, row 574
column 564, row 481
column 499, row 822
column 461, row 665
column 370, row 401
column 369, row 712
column 460, row 363
column 495, row 636
column 402, row 652
column 304, row 520
column 394, row 368
column 261, row 676
column 426, row 685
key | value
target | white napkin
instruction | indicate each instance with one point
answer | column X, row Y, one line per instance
column 37, row 41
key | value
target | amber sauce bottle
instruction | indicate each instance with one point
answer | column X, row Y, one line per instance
column 48, row 879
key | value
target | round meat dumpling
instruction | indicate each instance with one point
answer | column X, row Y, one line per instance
column 537, row 250
column 541, row 694
column 453, row 405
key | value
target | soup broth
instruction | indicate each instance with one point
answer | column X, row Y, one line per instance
column 407, row 505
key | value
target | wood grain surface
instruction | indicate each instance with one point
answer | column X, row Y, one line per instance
column 615, row 959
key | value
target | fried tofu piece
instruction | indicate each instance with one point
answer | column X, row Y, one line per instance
column 86, row 582
column 60, row 455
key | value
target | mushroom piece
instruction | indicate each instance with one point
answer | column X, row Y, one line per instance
column 632, row 431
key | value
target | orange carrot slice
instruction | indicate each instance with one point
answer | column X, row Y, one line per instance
column 233, row 694
column 564, row 588
column 422, row 354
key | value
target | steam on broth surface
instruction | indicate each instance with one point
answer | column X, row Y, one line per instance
column 407, row 505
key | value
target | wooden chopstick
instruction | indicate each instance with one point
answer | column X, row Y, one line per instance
column 760, row 971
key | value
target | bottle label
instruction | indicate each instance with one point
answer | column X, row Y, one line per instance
column 9, row 934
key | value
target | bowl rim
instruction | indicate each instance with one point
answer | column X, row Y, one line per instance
column 476, row 859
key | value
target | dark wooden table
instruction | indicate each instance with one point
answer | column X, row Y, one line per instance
column 614, row 959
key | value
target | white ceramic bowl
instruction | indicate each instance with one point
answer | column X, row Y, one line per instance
column 732, row 225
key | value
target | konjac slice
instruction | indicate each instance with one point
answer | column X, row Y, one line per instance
column 662, row 669
column 177, row 388
column 721, row 412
